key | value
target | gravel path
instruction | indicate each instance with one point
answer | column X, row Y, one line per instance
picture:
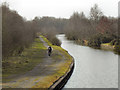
column 47, row 67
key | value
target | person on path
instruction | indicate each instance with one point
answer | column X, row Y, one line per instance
column 49, row 50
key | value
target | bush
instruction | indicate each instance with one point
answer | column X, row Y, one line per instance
column 117, row 49
column 94, row 41
column 71, row 36
column 113, row 42
column 55, row 41
column 98, row 39
column 105, row 38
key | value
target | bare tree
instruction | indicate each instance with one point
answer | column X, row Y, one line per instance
column 95, row 13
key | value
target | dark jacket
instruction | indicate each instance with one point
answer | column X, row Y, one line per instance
column 49, row 49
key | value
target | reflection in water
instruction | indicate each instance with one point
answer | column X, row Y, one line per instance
column 93, row 68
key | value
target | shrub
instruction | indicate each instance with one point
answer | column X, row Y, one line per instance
column 94, row 41
column 117, row 49
column 55, row 41
column 98, row 39
column 113, row 42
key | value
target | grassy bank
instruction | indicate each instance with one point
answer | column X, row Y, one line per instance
column 62, row 68
column 32, row 56
column 24, row 62
column 98, row 45
column 107, row 46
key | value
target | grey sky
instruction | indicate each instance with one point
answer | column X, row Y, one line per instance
column 61, row 8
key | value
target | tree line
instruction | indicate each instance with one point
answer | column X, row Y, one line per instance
column 93, row 30
column 49, row 27
column 18, row 33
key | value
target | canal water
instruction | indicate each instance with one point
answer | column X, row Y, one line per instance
column 93, row 68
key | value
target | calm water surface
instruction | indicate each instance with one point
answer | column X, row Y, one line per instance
column 93, row 68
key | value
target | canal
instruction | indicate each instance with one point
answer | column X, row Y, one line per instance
column 94, row 68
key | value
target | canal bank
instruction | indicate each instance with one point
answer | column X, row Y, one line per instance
column 60, row 83
column 107, row 46
column 103, row 46
column 50, row 70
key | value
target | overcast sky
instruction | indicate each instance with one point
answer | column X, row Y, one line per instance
column 61, row 8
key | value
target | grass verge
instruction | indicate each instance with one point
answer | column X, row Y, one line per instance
column 62, row 68
column 107, row 46
column 34, row 55
column 28, row 59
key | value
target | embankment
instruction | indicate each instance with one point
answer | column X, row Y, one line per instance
column 60, row 83
column 103, row 46
column 107, row 46
column 64, row 67
column 40, row 70
column 62, row 80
